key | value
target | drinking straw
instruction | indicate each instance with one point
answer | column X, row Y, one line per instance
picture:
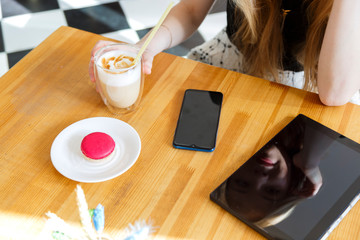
column 142, row 49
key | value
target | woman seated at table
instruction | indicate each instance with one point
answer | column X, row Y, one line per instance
column 307, row 44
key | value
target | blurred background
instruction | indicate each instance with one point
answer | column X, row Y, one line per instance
column 26, row 23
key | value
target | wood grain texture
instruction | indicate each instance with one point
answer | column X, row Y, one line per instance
column 49, row 89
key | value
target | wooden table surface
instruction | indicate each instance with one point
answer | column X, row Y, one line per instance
column 49, row 89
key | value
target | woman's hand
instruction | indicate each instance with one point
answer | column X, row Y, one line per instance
column 313, row 180
column 147, row 60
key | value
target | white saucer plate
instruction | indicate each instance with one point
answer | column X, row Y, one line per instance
column 68, row 159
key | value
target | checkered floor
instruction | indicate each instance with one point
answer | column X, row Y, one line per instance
column 26, row 23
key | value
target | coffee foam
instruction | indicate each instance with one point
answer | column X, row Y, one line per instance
column 115, row 76
column 121, row 86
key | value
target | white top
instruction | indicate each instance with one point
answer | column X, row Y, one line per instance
column 221, row 52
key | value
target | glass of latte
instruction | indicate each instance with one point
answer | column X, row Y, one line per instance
column 118, row 79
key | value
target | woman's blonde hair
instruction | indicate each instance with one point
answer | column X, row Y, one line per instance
column 259, row 37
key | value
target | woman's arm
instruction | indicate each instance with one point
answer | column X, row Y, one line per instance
column 339, row 62
column 182, row 21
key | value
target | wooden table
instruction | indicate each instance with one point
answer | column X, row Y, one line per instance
column 49, row 89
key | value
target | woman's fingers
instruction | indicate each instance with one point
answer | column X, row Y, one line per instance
column 147, row 58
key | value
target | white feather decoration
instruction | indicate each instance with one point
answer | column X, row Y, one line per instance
column 85, row 217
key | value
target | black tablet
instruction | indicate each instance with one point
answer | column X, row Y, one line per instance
column 299, row 185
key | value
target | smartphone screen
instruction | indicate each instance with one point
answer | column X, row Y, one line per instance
column 198, row 121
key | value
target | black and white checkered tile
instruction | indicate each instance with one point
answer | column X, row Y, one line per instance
column 26, row 23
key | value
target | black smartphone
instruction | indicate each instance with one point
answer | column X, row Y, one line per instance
column 198, row 120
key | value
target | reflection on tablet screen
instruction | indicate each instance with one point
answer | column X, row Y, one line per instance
column 297, row 185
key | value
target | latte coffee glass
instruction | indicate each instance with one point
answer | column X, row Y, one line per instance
column 118, row 80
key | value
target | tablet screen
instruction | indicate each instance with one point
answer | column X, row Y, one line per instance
column 297, row 186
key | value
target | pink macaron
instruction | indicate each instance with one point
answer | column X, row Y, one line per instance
column 98, row 147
